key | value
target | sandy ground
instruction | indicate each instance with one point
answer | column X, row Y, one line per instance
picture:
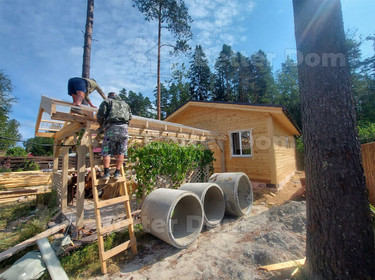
column 272, row 233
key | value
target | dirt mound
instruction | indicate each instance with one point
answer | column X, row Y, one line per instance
column 233, row 250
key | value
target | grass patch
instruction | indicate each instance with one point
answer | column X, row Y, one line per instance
column 10, row 212
column 84, row 262
column 22, row 220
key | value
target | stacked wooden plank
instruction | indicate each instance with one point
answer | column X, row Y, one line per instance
column 18, row 184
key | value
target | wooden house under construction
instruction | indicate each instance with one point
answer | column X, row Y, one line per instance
column 260, row 138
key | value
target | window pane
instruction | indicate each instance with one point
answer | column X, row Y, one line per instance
column 245, row 141
column 236, row 144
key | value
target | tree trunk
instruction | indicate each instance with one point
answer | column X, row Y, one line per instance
column 88, row 39
column 340, row 238
column 158, row 70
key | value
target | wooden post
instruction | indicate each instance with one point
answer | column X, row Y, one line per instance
column 64, row 183
column 56, row 153
column 81, row 172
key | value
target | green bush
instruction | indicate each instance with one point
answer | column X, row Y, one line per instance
column 30, row 165
column 16, row 152
column 170, row 160
column 366, row 132
column 299, row 145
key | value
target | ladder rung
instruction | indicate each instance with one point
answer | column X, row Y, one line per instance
column 112, row 201
column 94, row 131
column 116, row 226
column 118, row 249
column 100, row 181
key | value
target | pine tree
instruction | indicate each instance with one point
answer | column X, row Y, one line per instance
column 88, row 39
column 8, row 127
column 339, row 233
column 178, row 91
column 199, row 75
column 224, row 69
column 172, row 15
column 243, row 79
column 264, row 84
column 164, row 101
column 288, row 90
column 140, row 105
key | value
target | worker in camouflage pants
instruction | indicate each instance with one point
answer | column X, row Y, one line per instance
column 113, row 116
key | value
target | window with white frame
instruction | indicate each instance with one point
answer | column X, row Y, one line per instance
column 241, row 143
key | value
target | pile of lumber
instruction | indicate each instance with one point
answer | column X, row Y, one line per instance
column 18, row 184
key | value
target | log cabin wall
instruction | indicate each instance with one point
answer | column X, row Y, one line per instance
column 285, row 154
column 256, row 167
column 273, row 159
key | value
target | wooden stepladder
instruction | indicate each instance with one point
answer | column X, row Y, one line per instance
column 99, row 204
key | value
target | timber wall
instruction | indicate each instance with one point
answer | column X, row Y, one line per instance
column 368, row 160
column 256, row 167
column 285, row 153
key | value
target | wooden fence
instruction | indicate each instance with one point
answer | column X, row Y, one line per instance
column 44, row 162
column 368, row 159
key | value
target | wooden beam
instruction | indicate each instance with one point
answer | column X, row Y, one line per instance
column 70, row 105
column 163, row 126
column 71, row 118
column 52, row 121
column 52, row 262
column 56, row 153
column 67, row 131
column 283, row 265
column 44, row 134
column 11, row 251
column 81, row 173
column 49, row 129
column 38, row 119
column 64, row 178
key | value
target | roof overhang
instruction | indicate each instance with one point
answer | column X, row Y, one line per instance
column 278, row 112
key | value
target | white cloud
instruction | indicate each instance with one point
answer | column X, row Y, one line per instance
column 251, row 6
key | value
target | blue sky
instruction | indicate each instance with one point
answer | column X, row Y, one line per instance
column 41, row 43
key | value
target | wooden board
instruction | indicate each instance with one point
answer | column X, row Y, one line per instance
column 52, row 262
column 283, row 265
column 11, row 251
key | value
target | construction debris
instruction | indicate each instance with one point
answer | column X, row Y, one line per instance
column 52, row 262
column 283, row 265
column 11, row 251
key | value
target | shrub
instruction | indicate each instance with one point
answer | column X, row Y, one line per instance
column 170, row 160
column 30, row 165
column 366, row 132
column 16, row 152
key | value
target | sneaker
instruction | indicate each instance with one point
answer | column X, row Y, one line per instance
column 106, row 176
column 116, row 175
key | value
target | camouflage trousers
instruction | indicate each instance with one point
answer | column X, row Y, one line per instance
column 115, row 140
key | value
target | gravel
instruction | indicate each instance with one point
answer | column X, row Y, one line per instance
column 233, row 250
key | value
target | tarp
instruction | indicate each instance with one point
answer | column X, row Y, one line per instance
column 31, row 266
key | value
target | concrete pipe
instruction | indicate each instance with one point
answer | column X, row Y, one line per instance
column 237, row 191
column 212, row 198
column 175, row 216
